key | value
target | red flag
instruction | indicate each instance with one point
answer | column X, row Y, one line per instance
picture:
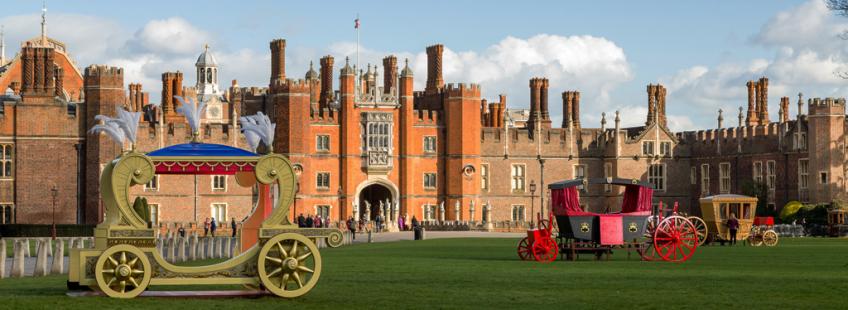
column 357, row 23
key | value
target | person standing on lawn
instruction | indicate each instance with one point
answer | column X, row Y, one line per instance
column 733, row 225
column 206, row 227
column 233, row 226
column 351, row 226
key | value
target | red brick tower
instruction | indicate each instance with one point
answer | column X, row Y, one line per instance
column 462, row 150
column 104, row 91
column 291, row 101
column 407, row 138
column 350, row 132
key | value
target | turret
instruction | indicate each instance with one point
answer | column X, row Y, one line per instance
column 104, row 89
column 278, row 61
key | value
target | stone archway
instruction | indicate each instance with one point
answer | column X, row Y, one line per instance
column 370, row 197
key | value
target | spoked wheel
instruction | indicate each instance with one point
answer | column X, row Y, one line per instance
column 647, row 252
column 770, row 238
column 675, row 239
column 524, row 251
column 700, row 228
column 545, row 250
column 289, row 265
column 122, row 271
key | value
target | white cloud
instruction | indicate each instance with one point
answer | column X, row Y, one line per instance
column 173, row 35
column 807, row 53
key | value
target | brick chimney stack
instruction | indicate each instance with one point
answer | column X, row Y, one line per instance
column 566, row 107
column 751, row 118
column 326, row 81
column 575, row 109
column 434, row 68
column 784, row 109
column 390, row 73
column 651, row 105
column 59, row 87
column 38, row 72
column 278, row 61
column 762, row 102
column 172, row 85
column 535, row 102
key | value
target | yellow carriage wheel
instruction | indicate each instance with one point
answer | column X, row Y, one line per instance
column 122, row 271
column 289, row 265
column 770, row 238
column 700, row 228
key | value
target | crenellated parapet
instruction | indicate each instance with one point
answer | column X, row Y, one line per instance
column 463, row 90
column 826, row 106
column 291, row 86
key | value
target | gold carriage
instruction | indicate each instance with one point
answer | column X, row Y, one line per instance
column 836, row 222
column 718, row 208
column 274, row 253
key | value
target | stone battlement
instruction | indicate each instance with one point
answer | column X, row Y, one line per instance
column 463, row 90
column 103, row 70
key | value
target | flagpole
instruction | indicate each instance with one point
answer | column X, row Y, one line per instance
column 359, row 83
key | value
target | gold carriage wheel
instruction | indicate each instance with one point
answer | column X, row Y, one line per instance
column 335, row 239
column 755, row 240
column 700, row 228
column 770, row 238
column 289, row 265
column 122, row 271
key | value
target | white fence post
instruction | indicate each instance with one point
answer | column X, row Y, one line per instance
column 59, row 259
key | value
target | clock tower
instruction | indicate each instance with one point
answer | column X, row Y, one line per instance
column 207, row 86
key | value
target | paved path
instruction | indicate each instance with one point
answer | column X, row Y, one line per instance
column 407, row 235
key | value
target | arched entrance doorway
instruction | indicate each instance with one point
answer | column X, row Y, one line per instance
column 370, row 198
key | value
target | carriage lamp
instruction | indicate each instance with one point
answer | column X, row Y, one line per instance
column 532, row 201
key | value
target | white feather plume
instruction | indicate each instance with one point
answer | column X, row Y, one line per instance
column 111, row 127
column 258, row 128
column 129, row 123
column 191, row 111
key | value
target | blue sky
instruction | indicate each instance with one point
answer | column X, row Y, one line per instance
column 702, row 51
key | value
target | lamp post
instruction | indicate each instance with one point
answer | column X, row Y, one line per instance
column 54, row 192
column 532, row 201
column 341, row 205
column 544, row 190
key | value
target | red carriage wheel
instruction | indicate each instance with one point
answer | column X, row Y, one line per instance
column 524, row 251
column 545, row 250
column 675, row 239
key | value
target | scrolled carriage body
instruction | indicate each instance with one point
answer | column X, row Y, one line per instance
column 273, row 253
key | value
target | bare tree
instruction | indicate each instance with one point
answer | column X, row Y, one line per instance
column 840, row 7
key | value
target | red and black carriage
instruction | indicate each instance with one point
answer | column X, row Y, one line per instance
column 635, row 227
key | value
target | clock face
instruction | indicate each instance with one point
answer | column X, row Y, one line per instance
column 214, row 112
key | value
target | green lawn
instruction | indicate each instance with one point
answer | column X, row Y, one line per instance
column 485, row 273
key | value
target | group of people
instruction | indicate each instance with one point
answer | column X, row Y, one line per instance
column 313, row 222
column 352, row 227
column 213, row 226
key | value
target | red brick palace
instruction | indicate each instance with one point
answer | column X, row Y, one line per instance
column 374, row 140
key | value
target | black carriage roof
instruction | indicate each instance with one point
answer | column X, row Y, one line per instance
column 614, row 181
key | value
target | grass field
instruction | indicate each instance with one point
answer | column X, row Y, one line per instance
column 485, row 273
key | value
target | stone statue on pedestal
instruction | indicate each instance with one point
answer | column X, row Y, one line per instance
column 471, row 212
column 456, row 210
column 442, row 212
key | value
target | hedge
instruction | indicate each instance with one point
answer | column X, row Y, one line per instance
column 44, row 230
